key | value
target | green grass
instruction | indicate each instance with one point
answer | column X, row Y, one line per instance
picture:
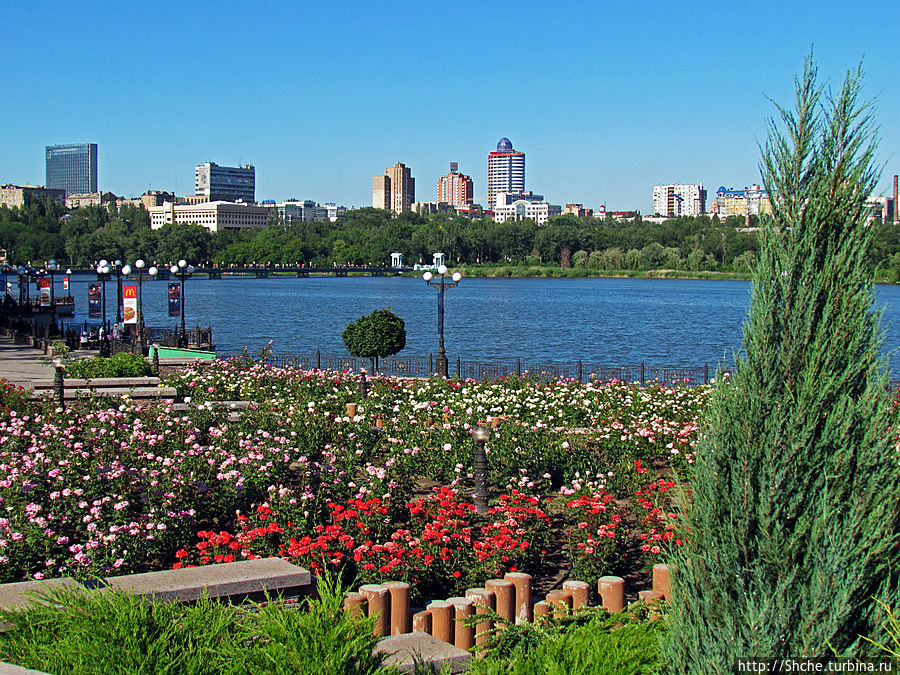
column 112, row 633
column 593, row 643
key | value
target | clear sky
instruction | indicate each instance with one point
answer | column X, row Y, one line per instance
column 606, row 98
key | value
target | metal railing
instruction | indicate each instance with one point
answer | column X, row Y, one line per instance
column 424, row 366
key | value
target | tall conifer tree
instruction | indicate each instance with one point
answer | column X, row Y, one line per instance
column 793, row 508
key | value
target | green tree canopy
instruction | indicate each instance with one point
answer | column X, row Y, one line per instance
column 376, row 335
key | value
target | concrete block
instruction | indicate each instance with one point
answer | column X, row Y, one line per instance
column 237, row 581
column 23, row 593
column 403, row 651
column 10, row 669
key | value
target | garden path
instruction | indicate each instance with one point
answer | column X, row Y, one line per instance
column 22, row 365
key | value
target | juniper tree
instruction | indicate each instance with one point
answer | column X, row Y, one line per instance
column 794, row 494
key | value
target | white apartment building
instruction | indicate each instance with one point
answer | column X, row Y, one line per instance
column 512, row 206
column 677, row 200
column 214, row 216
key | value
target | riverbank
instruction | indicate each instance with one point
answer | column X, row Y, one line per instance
column 547, row 272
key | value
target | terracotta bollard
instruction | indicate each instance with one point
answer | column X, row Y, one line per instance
column 541, row 610
column 421, row 622
column 400, row 620
column 662, row 582
column 560, row 601
column 463, row 635
column 504, row 597
column 351, row 410
column 355, row 604
column 522, row 583
column 580, row 592
column 650, row 596
column 442, row 620
column 379, row 600
column 484, row 603
column 612, row 593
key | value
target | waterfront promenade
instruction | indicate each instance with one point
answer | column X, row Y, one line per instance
column 22, row 365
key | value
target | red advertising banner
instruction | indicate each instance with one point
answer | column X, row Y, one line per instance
column 65, row 283
column 44, row 285
column 129, row 304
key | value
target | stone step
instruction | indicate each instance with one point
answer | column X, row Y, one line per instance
column 95, row 382
column 168, row 393
column 404, row 651
column 235, row 582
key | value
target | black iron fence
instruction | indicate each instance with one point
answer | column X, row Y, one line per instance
column 424, row 366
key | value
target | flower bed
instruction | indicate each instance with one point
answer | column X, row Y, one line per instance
column 141, row 487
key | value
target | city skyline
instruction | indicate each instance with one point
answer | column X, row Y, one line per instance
column 608, row 102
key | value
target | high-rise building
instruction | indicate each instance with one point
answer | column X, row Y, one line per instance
column 72, row 167
column 675, row 201
column 506, row 170
column 225, row 183
column 395, row 190
column 455, row 188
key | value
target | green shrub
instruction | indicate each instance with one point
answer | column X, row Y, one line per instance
column 122, row 364
column 598, row 644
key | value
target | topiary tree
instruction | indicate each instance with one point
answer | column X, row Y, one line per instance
column 376, row 335
column 793, row 505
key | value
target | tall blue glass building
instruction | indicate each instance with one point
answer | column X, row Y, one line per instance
column 72, row 167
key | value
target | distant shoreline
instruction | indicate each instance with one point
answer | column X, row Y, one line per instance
column 541, row 272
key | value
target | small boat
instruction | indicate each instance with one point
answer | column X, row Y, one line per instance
column 181, row 353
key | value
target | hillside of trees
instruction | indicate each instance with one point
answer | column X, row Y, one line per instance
column 79, row 237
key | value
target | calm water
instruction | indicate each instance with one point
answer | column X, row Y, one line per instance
column 613, row 321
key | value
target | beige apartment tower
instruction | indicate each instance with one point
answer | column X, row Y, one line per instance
column 395, row 190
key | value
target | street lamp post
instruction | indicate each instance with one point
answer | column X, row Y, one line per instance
column 117, row 266
column 182, row 270
column 441, row 360
column 103, row 276
column 52, row 267
column 23, row 286
column 140, row 264
column 481, row 435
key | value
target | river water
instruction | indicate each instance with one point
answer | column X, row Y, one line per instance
column 665, row 322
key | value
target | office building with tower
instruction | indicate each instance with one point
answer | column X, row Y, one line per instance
column 506, row 171
column 225, row 183
column 395, row 190
column 455, row 188
column 72, row 167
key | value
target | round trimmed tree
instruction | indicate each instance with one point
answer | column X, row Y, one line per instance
column 376, row 335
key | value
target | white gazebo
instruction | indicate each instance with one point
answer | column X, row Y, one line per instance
column 396, row 259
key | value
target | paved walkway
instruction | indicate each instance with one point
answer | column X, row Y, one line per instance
column 23, row 364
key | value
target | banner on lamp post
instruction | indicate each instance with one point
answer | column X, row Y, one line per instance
column 65, row 283
column 129, row 304
column 174, row 299
column 94, row 301
column 44, row 285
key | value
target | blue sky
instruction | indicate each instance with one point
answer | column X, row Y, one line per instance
column 605, row 98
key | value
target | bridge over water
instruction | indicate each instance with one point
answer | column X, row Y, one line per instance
column 266, row 271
